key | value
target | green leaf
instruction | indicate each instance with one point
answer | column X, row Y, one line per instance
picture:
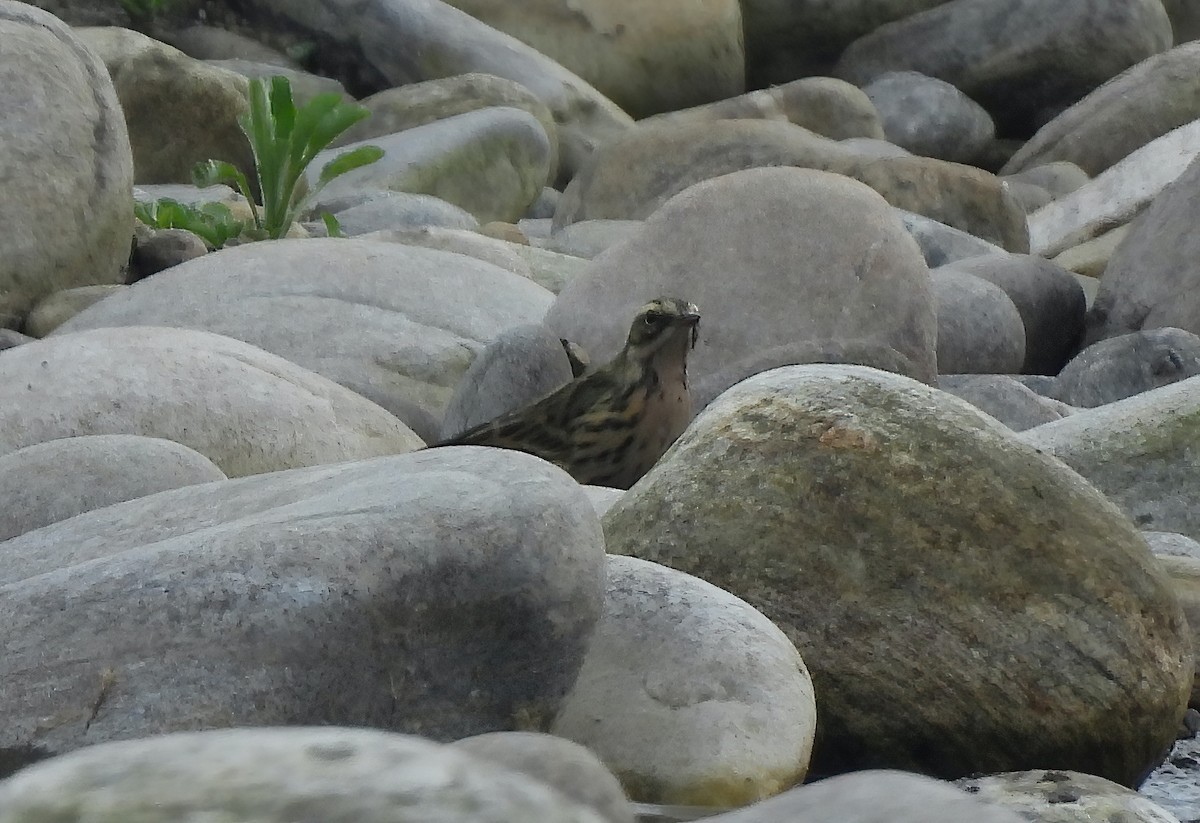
column 348, row 161
column 332, row 227
column 211, row 172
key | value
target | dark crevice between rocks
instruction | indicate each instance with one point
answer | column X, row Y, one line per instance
column 15, row 758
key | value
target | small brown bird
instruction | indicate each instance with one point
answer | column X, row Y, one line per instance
column 609, row 427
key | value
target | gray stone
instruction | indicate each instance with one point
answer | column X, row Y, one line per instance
column 273, row 775
column 450, row 591
column 1005, row 399
column 545, row 204
column 460, row 241
column 1170, row 544
column 491, row 162
column 666, row 703
column 1059, row 177
column 1050, row 301
column 631, row 176
column 214, row 43
column 62, row 136
column 397, row 42
column 1149, row 280
column 179, row 111
column 55, row 309
column 979, row 329
column 1030, row 197
column 602, row 497
column 865, row 513
column 588, row 238
column 872, row 796
column 57, row 479
column 814, row 254
column 941, row 244
column 161, row 382
column 304, row 86
column 522, row 365
column 161, row 249
column 990, row 49
column 1141, row 451
column 930, row 117
column 567, row 766
column 1147, row 100
column 1121, row 367
column 10, row 338
column 383, row 210
column 1066, row 797
column 365, row 314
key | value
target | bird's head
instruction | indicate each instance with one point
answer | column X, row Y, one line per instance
column 659, row 322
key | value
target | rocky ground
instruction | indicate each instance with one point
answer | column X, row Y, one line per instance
column 926, row 551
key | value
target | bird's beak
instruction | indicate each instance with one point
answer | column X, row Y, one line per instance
column 692, row 318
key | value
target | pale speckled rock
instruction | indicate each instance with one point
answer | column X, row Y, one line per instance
column 1148, row 281
column 51, row 481
column 855, row 507
column 491, row 162
column 689, row 694
column 824, row 105
column 10, row 339
column 398, row 42
column 1066, row 797
column 815, row 254
column 1123, row 366
column 522, row 365
column 941, row 244
column 602, row 497
column 1030, row 197
column 1171, row 544
column 872, row 796
column 1059, row 177
column 1090, row 258
column 991, row 48
column 930, row 117
column 1143, row 102
column 448, row 592
column 567, row 766
column 1115, row 196
column 62, row 136
column 1179, row 558
column 161, row 382
column 979, row 329
column 692, row 49
column 401, row 331
column 267, row 775
column 631, row 176
column 304, row 85
column 1050, row 301
column 459, row 241
column 385, row 210
column 1010, row 402
column 179, row 111
column 1141, row 451
column 587, row 238
column 55, row 309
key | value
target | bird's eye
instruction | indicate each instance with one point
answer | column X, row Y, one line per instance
column 653, row 318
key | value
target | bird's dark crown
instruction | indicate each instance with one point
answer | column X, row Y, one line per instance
column 660, row 319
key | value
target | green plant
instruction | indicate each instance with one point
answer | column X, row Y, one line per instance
column 141, row 11
column 285, row 140
column 213, row 222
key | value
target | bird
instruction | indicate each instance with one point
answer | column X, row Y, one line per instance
column 610, row 426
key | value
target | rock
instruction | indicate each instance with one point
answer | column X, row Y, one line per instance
column 940, row 244
column 872, row 147
column 165, row 383
column 665, row 704
column 397, row 42
column 1090, row 258
column 1065, row 797
column 55, row 309
column 930, row 117
column 1116, row 195
column 391, row 332
column 691, row 50
column 214, row 43
column 854, row 507
column 1147, row 284
column 990, row 49
column 979, row 329
column 827, row 106
column 1185, row 19
column 1179, row 558
column 10, row 338
column 1059, row 177
column 418, row 104
column 1147, row 100
column 1010, row 402
column 1170, row 544
column 64, row 137
column 162, row 249
column 1121, row 367
column 459, row 241
column 815, row 256
column 588, row 238
column 602, row 497
column 1030, row 197
column 1140, row 451
column 872, row 796
column 385, row 210
column 57, row 479
column 179, row 111
column 304, row 86
column 264, row 775
column 491, row 162
column 451, row 591
column 632, row 176
column 568, row 767
column 1050, row 301
column 522, row 365
column 544, row 206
